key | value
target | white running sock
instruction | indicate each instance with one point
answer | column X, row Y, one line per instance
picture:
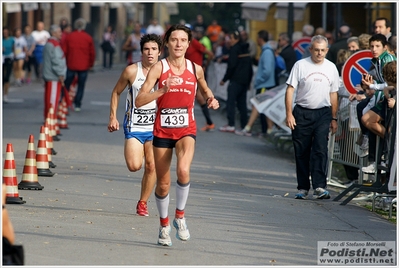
column 162, row 205
column 181, row 195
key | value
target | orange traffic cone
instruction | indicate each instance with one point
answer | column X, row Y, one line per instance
column 57, row 129
column 62, row 115
column 60, row 109
column 42, row 156
column 29, row 175
column 52, row 120
column 65, row 105
column 48, row 136
column 10, row 178
column 49, row 145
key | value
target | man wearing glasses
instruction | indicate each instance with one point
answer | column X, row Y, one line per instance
column 316, row 82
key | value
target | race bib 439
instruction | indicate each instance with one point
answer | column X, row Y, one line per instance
column 174, row 117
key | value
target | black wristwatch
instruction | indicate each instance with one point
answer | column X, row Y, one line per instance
column 336, row 119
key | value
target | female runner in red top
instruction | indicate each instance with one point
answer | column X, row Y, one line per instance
column 175, row 82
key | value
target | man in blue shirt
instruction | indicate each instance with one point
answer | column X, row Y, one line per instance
column 264, row 80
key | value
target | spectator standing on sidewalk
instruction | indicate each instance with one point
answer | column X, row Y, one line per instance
column 353, row 44
column 108, row 47
column 239, row 72
column 155, row 28
column 342, row 43
column 286, row 51
column 252, row 45
column 213, row 31
column 80, row 55
column 316, row 81
column 199, row 24
column 264, row 80
column 41, row 36
column 138, row 123
column 65, row 32
column 20, row 49
column 132, row 45
column 54, row 70
column 196, row 52
column 30, row 58
column 307, row 31
column 175, row 82
column 383, row 26
column 8, row 58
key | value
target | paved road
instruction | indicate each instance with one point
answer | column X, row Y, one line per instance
column 240, row 210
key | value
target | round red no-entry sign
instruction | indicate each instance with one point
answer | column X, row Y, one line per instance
column 355, row 66
column 300, row 46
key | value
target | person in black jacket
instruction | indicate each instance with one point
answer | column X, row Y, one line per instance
column 239, row 74
column 287, row 52
column 342, row 43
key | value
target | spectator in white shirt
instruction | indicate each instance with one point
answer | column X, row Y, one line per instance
column 155, row 28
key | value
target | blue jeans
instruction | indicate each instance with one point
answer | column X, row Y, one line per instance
column 310, row 139
column 82, row 76
column 236, row 94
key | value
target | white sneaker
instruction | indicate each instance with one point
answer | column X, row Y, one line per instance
column 227, row 128
column 181, row 227
column 164, row 236
column 243, row 132
column 370, row 169
column 5, row 99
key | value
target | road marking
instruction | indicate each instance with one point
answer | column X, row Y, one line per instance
column 15, row 100
column 100, row 103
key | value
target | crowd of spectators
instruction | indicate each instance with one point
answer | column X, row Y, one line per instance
column 22, row 53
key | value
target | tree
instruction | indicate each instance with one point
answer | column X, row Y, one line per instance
column 228, row 15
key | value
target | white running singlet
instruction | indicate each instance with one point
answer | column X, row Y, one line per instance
column 138, row 119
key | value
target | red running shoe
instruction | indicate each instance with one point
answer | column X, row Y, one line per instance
column 141, row 208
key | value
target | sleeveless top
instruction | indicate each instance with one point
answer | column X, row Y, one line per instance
column 175, row 109
column 138, row 119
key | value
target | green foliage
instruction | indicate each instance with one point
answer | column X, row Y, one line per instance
column 228, row 15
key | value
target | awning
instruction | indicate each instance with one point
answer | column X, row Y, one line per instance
column 282, row 11
column 12, row 7
column 173, row 9
column 30, row 6
column 254, row 11
column 97, row 4
column 115, row 5
column 45, row 6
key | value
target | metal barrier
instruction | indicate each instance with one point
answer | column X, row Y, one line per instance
column 342, row 145
column 343, row 149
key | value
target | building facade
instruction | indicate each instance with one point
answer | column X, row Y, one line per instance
column 98, row 15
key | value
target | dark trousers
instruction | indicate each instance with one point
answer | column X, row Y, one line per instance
column 82, row 76
column 310, row 139
column 29, row 63
column 7, row 70
column 236, row 95
column 110, row 54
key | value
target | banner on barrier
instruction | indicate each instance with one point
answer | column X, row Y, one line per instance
column 272, row 104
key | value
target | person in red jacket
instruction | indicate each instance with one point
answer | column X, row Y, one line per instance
column 196, row 52
column 80, row 55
